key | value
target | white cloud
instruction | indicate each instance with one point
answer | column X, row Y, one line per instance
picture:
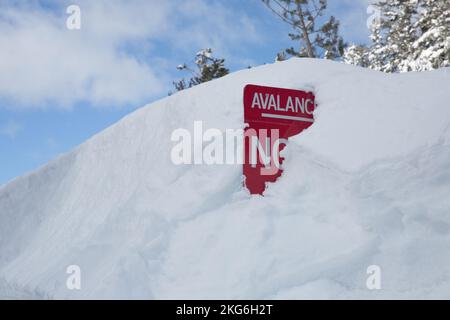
column 211, row 23
column 353, row 17
column 10, row 129
column 42, row 63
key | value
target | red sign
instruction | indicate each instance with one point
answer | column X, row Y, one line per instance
column 273, row 115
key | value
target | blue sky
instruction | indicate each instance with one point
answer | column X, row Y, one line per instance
column 59, row 87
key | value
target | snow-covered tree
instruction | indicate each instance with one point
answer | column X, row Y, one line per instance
column 356, row 55
column 431, row 50
column 206, row 69
column 411, row 35
column 316, row 36
column 281, row 56
column 393, row 34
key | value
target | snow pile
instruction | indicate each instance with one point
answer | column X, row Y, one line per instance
column 367, row 184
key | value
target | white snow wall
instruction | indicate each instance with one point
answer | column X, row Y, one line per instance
column 368, row 183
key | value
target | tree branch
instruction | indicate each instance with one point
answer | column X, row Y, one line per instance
column 267, row 4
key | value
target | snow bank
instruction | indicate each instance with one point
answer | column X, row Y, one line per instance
column 367, row 184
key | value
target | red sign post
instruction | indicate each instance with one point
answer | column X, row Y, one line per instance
column 273, row 115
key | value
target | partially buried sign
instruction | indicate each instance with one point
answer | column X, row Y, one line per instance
column 273, row 115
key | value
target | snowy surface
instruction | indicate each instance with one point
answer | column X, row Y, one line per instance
column 368, row 183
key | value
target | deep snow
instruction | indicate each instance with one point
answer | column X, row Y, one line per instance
column 368, row 183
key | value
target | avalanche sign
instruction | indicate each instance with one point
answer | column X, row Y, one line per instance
column 272, row 116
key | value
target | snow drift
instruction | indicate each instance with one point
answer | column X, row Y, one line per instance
column 367, row 184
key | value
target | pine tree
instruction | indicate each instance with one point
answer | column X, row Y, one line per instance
column 411, row 35
column 394, row 35
column 356, row 55
column 431, row 50
column 206, row 69
column 305, row 17
column 377, row 53
column 281, row 56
